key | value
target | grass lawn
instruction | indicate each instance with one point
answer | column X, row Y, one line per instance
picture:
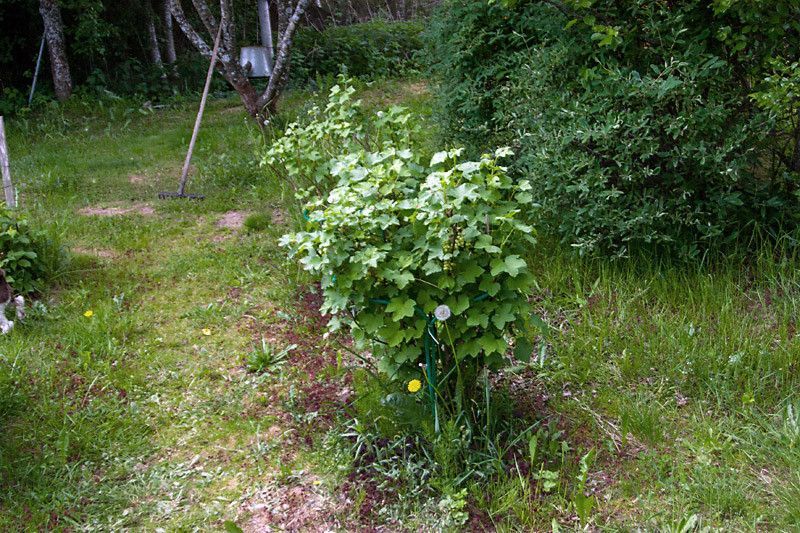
column 145, row 415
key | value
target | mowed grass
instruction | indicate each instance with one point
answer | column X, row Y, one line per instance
column 143, row 415
column 107, row 419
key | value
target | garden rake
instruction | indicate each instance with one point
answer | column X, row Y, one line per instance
column 185, row 173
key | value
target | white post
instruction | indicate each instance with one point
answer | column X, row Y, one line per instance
column 265, row 25
column 8, row 187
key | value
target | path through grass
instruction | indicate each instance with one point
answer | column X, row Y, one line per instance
column 143, row 414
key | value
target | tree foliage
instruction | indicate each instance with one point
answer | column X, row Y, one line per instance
column 639, row 123
column 372, row 49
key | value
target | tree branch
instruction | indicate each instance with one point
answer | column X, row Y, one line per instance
column 561, row 7
column 228, row 63
column 187, row 29
column 209, row 21
column 226, row 14
column 269, row 95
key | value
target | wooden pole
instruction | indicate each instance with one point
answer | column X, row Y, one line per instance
column 8, row 187
column 185, row 172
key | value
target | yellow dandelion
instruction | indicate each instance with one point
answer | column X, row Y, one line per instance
column 414, row 385
column 88, row 313
column 206, row 332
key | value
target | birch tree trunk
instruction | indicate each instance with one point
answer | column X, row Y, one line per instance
column 54, row 35
column 257, row 105
column 287, row 26
column 152, row 35
column 169, row 35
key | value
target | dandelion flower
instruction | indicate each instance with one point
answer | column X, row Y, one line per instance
column 88, row 313
column 442, row 313
column 414, row 385
column 206, row 332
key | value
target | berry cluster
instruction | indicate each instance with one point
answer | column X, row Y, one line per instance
column 453, row 245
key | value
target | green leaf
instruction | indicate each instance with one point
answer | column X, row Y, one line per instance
column 491, row 344
column 489, row 286
column 522, row 282
column 470, row 348
column 523, row 349
column 524, row 198
column 334, row 302
column 463, row 192
column 484, row 242
column 477, row 317
column 400, row 307
column 407, row 354
column 470, row 167
column 426, row 302
column 502, row 316
column 458, row 305
column 392, row 334
column 370, row 322
column 432, row 267
column 512, row 264
column 469, row 272
column 438, row 158
column 388, row 366
column 401, row 279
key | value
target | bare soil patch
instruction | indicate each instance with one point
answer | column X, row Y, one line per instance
column 279, row 216
column 417, row 87
column 232, row 220
column 302, row 507
column 142, row 209
column 398, row 95
column 96, row 252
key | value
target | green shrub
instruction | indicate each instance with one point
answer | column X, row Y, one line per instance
column 28, row 256
column 426, row 263
column 369, row 50
column 10, row 100
column 641, row 125
column 305, row 154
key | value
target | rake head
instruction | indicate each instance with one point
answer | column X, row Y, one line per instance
column 165, row 195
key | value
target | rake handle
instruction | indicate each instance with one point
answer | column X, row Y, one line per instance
column 199, row 119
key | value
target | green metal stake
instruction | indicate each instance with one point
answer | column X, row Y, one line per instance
column 430, row 360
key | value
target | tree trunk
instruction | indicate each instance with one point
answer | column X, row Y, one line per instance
column 152, row 35
column 287, row 25
column 54, row 35
column 290, row 12
column 241, row 84
column 169, row 35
